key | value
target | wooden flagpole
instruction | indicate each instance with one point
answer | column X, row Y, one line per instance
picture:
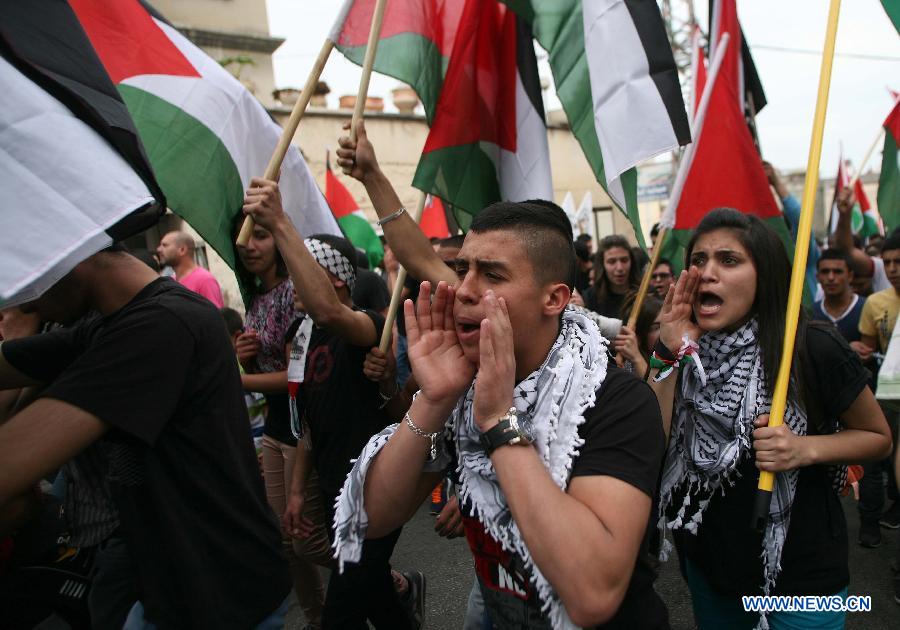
column 284, row 143
column 798, row 273
column 368, row 62
column 645, row 280
column 398, row 286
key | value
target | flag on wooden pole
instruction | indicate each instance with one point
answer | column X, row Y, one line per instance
column 616, row 78
column 724, row 168
column 488, row 138
column 416, row 41
column 205, row 134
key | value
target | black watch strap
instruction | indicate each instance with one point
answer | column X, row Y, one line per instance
column 497, row 436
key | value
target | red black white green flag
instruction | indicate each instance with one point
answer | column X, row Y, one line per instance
column 73, row 173
column 726, row 169
column 488, row 139
column 204, row 133
column 416, row 41
column 616, row 78
column 889, row 181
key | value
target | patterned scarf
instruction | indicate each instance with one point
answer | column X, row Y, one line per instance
column 554, row 398
column 334, row 261
column 711, row 436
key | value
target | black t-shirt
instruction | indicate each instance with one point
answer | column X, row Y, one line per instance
column 814, row 559
column 341, row 405
column 609, row 307
column 370, row 291
column 623, row 438
column 161, row 373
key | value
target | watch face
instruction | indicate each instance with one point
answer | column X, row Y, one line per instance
column 526, row 430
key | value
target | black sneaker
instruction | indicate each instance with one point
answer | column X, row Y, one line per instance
column 869, row 534
column 414, row 602
column 891, row 518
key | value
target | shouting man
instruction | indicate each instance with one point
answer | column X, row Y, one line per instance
column 557, row 452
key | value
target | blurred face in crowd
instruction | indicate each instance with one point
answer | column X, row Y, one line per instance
column 834, row 276
column 258, row 255
column 891, row 258
column 727, row 281
column 617, row 266
column 169, row 252
column 661, row 279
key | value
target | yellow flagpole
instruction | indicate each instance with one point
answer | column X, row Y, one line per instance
column 801, row 249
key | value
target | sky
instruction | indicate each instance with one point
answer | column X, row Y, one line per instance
column 786, row 39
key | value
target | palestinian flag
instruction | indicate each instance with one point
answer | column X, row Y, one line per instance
column 205, row 134
column 726, row 170
column 864, row 219
column 892, row 8
column 889, row 181
column 699, row 71
column 617, row 80
column 488, row 139
column 73, row 173
column 416, row 41
column 352, row 220
column 434, row 218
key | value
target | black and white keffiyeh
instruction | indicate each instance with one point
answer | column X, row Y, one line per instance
column 334, row 261
column 711, row 436
column 554, row 398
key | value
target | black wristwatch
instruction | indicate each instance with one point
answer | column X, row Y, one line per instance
column 511, row 429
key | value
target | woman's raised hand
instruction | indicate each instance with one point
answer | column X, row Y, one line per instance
column 675, row 318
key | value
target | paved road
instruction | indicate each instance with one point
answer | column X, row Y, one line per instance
column 447, row 565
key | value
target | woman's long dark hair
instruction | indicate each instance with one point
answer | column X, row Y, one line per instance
column 247, row 280
column 773, row 277
column 601, row 282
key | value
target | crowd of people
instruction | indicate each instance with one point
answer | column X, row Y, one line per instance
column 199, row 466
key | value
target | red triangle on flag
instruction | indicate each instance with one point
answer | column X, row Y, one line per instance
column 726, row 170
column 128, row 41
column 434, row 219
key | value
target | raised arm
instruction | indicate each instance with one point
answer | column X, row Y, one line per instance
column 311, row 282
column 410, row 245
column 396, row 483
column 843, row 234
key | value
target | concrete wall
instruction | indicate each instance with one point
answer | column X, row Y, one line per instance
column 399, row 140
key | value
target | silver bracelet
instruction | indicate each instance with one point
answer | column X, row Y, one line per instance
column 385, row 399
column 391, row 216
column 431, row 436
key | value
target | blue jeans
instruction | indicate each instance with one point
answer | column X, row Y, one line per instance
column 136, row 621
column 404, row 370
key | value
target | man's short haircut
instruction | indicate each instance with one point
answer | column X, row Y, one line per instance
column 233, row 322
column 891, row 242
column 834, row 254
column 341, row 244
column 666, row 262
column 453, row 241
column 183, row 239
column 545, row 231
column 584, row 238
